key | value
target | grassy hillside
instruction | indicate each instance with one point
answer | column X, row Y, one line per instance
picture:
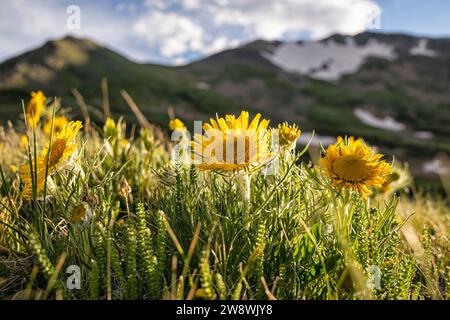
column 141, row 224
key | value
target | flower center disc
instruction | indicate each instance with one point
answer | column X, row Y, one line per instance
column 351, row 168
column 57, row 152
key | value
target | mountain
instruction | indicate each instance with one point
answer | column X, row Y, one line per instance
column 392, row 89
column 59, row 66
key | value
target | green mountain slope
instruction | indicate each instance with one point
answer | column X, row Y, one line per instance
column 59, row 66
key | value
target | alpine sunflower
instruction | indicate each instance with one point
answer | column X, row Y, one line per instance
column 352, row 164
column 398, row 179
column 176, row 124
column 232, row 143
column 60, row 150
column 24, row 141
column 288, row 134
column 58, row 124
column 35, row 107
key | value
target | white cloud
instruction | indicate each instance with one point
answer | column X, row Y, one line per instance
column 273, row 19
column 28, row 24
column 24, row 24
column 204, row 27
column 170, row 31
column 191, row 4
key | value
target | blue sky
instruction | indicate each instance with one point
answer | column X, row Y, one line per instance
column 179, row 31
column 422, row 17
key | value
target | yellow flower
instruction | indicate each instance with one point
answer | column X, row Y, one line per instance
column 80, row 213
column 35, row 107
column 58, row 124
column 24, row 141
column 176, row 124
column 288, row 134
column 390, row 179
column 110, row 128
column 398, row 179
column 232, row 144
column 124, row 143
column 61, row 149
column 353, row 164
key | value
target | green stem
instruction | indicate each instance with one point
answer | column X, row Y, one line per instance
column 245, row 187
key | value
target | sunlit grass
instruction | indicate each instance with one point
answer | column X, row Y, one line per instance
column 142, row 226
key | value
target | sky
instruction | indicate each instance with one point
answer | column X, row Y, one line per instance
column 175, row 32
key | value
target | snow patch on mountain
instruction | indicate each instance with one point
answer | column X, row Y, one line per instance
column 315, row 139
column 327, row 60
column 423, row 135
column 386, row 123
column 436, row 166
column 421, row 49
